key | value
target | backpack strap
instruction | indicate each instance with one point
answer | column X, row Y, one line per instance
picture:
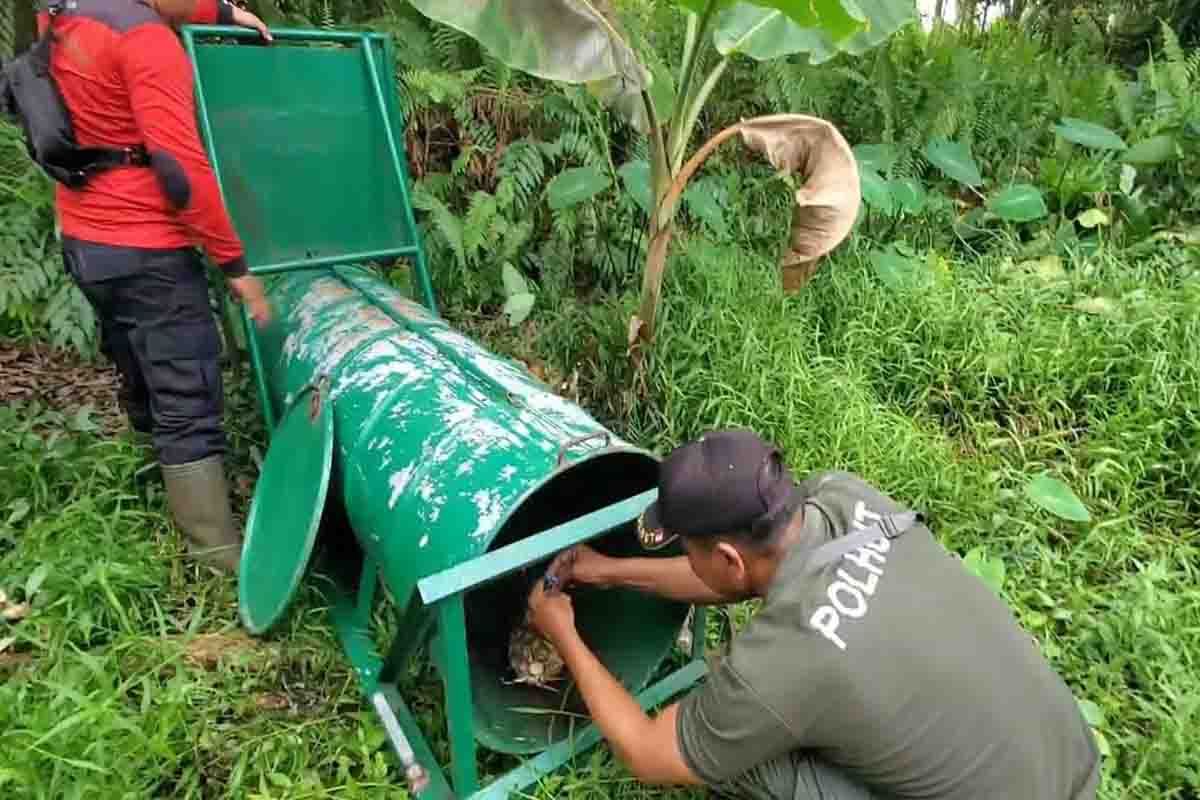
column 890, row 526
column 30, row 95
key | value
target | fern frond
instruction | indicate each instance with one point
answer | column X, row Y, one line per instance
column 1123, row 100
column 565, row 225
column 477, row 227
column 1177, row 65
column 521, row 171
column 446, row 42
column 444, row 220
column 570, row 146
column 441, row 88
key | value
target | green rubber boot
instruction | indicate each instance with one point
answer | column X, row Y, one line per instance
column 198, row 496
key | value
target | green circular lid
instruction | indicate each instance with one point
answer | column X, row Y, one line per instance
column 286, row 510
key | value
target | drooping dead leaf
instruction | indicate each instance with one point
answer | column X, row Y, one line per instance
column 827, row 203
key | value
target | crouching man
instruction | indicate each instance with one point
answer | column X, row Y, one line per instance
column 877, row 666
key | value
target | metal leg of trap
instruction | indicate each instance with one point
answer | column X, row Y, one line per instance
column 435, row 613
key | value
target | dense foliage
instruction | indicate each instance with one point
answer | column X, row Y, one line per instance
column 1010, row 340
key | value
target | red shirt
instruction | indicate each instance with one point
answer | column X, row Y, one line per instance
column 126, row 80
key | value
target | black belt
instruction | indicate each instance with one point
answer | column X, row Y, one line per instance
column 99, row 159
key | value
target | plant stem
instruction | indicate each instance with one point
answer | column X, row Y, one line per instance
column 697, row 29
column 660, row 168
column 660, row 236
column 693, row 108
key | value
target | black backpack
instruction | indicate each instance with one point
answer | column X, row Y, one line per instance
column 30, row 97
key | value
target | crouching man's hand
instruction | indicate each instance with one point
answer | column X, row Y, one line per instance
column 552, row 614
column 582, row 565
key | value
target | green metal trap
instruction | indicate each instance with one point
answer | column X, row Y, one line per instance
column 454, row 475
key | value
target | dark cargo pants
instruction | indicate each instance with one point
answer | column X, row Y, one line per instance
column 157, row 327
column 794, row 776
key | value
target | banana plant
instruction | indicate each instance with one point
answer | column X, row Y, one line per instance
column 580, row 42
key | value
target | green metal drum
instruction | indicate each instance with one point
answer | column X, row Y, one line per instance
column 443, row 451
column 402, row 453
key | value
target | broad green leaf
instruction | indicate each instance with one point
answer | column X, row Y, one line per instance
column 82, row 420
column 1152, row 151
column 702, row 201
column 514, row 281
column 574, row 41
column 280, row 780
column 1089, row 134
column 20, row 509
column 875, row 191
column 636, row 177
column 989, row 570
column 898, row 271
column 1018, row 203
column 1054, row 496
column 35, row 580
column 662, row 91
column 573, row 186
column 909, row 195
column 696, row 6
column 1092, row 713
column 954, row 160
column 1128, row 176
column 879, row 157
column 1092, row 218
column 767, row 29
column 518, row 307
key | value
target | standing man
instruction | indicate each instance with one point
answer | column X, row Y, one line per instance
column 877, row 667
column 130, row 233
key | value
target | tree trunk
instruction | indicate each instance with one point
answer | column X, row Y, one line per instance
column 24, row 25
column 939, row 12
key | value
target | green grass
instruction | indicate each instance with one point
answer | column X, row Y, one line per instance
column 953, row 397
column 950, row 397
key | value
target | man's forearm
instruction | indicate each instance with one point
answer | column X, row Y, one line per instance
column 671, row 578
column 647, row 746
column 618, row 716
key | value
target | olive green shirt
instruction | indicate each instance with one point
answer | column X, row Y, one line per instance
column 896, row 666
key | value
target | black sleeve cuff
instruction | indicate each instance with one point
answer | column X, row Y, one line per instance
column 224, row 13
column 236, row 268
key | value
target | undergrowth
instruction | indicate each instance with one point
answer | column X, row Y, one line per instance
column 1001, row 354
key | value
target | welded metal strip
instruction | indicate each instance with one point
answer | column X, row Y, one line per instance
column 512, row 557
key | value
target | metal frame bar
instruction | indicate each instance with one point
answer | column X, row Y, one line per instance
column 438, row 603
column 377, row 71
column 436, row 608
column 451, row 652
column 498, row 563
column 283, row 34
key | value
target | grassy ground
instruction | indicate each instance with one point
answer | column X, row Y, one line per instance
column 129, row 677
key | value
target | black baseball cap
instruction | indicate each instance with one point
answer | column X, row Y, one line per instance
column 725, row 481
